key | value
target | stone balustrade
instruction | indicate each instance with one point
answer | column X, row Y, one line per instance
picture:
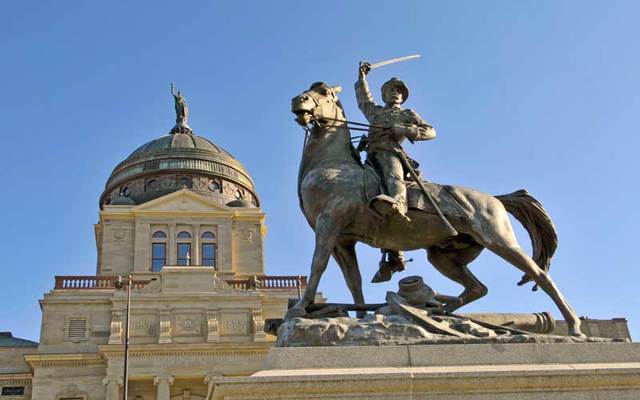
column 270, row 282
column 80, row 282
column 76, row 282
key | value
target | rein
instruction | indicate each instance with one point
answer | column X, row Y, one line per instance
column 351, row 125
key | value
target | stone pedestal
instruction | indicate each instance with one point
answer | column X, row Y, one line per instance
column 444, row 372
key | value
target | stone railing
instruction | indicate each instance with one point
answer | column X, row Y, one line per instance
column 78, row 282
column 92, row 282
column 270, row 282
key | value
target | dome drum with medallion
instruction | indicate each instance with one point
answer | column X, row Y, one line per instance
column 176, row 161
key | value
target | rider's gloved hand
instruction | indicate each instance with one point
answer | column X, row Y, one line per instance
column 404, row 131
column 363, row 69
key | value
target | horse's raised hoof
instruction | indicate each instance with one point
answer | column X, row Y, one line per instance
column 296, row 312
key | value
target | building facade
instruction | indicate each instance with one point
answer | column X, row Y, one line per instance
column 182, row 217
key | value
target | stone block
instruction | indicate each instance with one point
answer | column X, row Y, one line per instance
column 444, row 372
column 337, row 357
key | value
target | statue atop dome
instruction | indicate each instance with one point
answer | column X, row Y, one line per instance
column 182, row 112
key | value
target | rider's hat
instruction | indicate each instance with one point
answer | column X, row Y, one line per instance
column 397, row 83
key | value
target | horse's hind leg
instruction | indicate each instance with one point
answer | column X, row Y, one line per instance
column 345, row 255
column 453, row 265
column 518, row 257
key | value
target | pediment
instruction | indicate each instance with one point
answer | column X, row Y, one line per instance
column 182, row 201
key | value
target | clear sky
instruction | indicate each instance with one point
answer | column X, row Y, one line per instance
column 542, row 95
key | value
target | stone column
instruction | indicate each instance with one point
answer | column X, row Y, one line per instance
column 172, row 255
column 196, row 258
column 164, row 387
column 112, row 388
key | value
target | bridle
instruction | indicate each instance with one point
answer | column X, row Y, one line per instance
column 317, row 119
column 327, row 122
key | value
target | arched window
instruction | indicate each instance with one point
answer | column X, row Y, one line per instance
column 208, row 235
column 184, row 235
column 208, row 247
column 184, row 248
column 158, row 250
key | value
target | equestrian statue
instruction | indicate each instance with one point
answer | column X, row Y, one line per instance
column 385, row 203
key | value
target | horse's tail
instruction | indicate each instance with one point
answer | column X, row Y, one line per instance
column 537, row 222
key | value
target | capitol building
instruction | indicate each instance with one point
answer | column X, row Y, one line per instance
column 182, row 216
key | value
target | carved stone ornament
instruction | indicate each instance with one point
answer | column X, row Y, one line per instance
column 115, row 335
column 119, row 232
column 248, row 235
column 258, row 325
column 213, row 327
column 215, row 185
column 165, row 328
column 200, row 183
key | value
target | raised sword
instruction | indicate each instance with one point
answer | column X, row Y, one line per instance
column 393, row 61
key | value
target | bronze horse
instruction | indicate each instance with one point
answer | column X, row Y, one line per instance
column 334, row 188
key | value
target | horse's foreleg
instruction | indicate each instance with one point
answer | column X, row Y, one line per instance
column 326, row 229
column 345, row 255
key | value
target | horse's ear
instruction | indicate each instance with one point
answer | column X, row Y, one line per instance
column 336, row 89
column 317, row 85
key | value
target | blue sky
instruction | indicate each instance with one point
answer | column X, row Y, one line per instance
column 542, row 95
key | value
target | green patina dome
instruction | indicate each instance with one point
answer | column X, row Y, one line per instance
column 176, row 161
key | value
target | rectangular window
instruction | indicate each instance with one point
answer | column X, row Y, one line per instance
column 209, row 254
column 13, row 391
column 158, row 256
column 184, row 253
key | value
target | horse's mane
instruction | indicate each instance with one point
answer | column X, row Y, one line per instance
column 354, row 152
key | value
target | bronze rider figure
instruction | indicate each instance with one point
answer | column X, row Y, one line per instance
column 391, row 124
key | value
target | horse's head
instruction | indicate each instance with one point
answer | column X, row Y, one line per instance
column 318, row 105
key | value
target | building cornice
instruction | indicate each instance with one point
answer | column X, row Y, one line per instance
column 22, row 379
column 215, row 210
column 65, row 360
column 260, row 350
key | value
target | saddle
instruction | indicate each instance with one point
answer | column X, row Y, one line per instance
column 445, row 196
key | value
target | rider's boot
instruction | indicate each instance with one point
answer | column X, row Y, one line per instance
column 392, row 261
column 396, row 260
column 400, row 213
column 387, row 206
